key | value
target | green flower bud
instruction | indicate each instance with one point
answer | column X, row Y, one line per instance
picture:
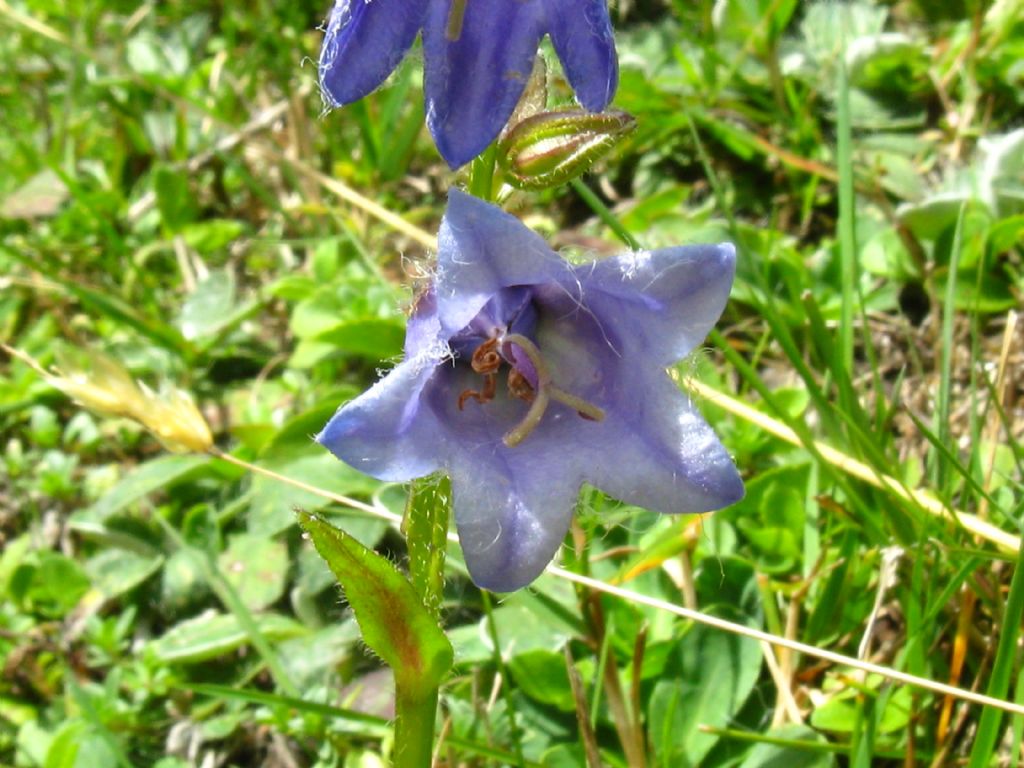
column 550, row 148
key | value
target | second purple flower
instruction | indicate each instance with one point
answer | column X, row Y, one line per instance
column 478, row 55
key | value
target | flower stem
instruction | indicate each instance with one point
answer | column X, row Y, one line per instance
column 481, row 174
column 426, row 532
column 414, row 729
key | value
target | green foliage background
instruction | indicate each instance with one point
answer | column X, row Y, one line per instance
column 163, row 200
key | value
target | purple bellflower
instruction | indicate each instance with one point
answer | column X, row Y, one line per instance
column 478, row 56
column 525, row 376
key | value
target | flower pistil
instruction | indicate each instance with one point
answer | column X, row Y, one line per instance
column 487, row 360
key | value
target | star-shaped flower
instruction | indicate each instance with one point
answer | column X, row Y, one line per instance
column 478, row 56
column 525, row 376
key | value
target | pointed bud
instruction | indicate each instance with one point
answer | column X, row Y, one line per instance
column 550, row 148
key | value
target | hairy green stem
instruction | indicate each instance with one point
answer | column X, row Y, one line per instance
column 426, row 529
column 426, row 534
column 414, row 729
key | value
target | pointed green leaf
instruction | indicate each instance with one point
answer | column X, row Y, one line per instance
column 394, row 622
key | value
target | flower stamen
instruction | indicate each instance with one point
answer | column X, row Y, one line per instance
column 520, row 387
column 486, row 358
column 455, row 19
column 483, row 396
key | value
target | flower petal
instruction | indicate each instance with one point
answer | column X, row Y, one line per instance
column 662, row 303
column 582, row 35
column 512, row 505
column 423, row 329
column 656, row 451
column 652, row 448
column 475, row 70
column 365, row 41
column 512, row 513
column 385, row 432
column 482, row 249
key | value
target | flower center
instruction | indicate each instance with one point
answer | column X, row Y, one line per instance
column 487, row 360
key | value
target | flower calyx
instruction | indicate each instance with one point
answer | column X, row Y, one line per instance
column 550, row 148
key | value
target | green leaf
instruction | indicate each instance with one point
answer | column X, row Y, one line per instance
column 143, row 480
column 758, row 21
column 394, row 622
column 63, row 751
column 116, row 308
column 992, row 293
column 212, row 235
column 1007, row 233
column 182, row 583
column 890, row 62
column 12, row 556
column 521, row 628
column 77, row 745
column 934, row 215
column 771, row 516
column 293, row 437
column 174, row 199
column 542, row 676
column 310, row 658
column 256, row 567
column 375, row 338
column 33, row 742
column 212, row 634
column 564, row 756
column 887, row 256
column 49, row 583
column 116, row 571
column 209, row 307
column 730, row 582
column 273, row 500
column 717, row 674
column 840, row 714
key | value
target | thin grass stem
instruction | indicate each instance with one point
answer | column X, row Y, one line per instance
column 685, row 613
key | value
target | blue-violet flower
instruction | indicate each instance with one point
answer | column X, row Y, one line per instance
column 525, row 376
column 478, row 56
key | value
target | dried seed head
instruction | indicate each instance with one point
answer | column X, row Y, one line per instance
column 101, row 384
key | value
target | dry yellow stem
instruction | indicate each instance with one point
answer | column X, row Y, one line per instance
column 851, row 466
